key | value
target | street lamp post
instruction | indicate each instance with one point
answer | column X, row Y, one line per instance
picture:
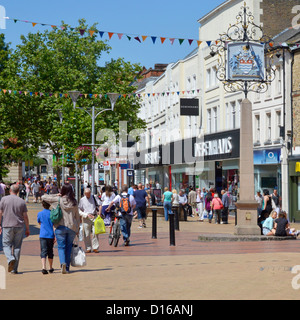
column 59, row 112
column 113, row 97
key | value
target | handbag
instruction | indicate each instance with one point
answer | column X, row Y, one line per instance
column 78, row 258
column 99, row 226
column 56, row 214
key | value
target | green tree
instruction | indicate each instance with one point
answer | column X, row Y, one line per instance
column 54, row 62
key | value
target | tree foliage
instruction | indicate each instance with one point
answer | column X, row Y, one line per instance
column 57, row 61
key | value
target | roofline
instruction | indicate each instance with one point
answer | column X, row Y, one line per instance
column 201, row 20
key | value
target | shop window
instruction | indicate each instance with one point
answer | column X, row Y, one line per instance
column 299, row 193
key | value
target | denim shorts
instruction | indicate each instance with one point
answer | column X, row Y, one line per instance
column 47, row 248
column 266, row 231
column 141, row 212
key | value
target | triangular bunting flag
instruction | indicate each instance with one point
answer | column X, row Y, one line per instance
column 162, row 40
column 82, row 31
column 34, row 24
column 15, row 20
column 120, row 35
column 208, row 43
column 199, row 43
column 181, row 41
column 129, row 38
column 190, row 41
column 101, row 33
column 53, row 26
column 144, row 38
column 137, row 39
column 110, row 34
column 91, row 32
column 153, row 39
column 172, row 40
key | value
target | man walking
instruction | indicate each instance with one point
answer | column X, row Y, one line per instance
column 13, row 215
column 88, row 209
column 192, row 199
column 141, row 197
column 125, row 200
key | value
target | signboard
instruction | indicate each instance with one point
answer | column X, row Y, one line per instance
column 219, row 146
column 267, row 156
column 245, row 61
column 189, row 107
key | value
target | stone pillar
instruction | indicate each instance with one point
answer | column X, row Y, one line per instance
column 246, row 206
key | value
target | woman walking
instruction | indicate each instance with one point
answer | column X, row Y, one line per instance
column 68, row 227
column 167, row 201
column 106, row 198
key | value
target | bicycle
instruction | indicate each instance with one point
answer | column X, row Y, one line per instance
column 115, row 230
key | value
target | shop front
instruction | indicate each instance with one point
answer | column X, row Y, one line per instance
column 221, row 153
column 212, row 162
column 267, row 170
column 294, row 190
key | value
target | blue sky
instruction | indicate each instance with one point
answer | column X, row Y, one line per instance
column 166, row 18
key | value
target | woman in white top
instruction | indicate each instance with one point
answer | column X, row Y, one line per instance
column 106, row 198
column 175, row 198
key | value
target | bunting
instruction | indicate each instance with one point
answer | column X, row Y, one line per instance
column 137, row 37
column 92, row 32
column 36, row 94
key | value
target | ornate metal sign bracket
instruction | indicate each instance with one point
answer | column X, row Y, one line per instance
column 248, row 34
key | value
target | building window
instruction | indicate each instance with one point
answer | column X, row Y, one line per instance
column 233, row 115
column 279, row 81
column 215, row 120
column 208, row 78
column 257, row 128
column 269, row 128
column 278, row 124
column 209, row 121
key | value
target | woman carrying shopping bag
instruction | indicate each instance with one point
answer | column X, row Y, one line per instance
column 68, row 227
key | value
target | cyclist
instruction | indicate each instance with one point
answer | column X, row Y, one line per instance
column 127, row 205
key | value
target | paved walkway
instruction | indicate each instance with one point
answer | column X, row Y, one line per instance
column 152, row 269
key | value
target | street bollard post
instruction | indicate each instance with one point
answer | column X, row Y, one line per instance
column 154, row 223
column 172, row 229
column 176, row 214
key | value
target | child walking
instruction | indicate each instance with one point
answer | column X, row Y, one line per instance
column 46, row 237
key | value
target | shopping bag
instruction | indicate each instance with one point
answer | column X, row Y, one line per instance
column 80, row 236
column 99, row 225
column 78, row 258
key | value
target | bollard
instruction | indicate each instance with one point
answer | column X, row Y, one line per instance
column 176, row 213
column 172, row 230
column 235, row 217
column 154, row 223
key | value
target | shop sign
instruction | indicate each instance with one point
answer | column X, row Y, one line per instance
column 214, row 147
column 246, row 61
column 268, row 156
column 189, row 107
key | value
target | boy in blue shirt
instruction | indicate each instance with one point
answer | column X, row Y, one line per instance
column 46, row 237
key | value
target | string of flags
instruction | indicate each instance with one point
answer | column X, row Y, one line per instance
column 95, row 95
column 139, row 38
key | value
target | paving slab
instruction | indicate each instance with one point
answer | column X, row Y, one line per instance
column 151, row 269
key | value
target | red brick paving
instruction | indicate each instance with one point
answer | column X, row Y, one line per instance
column 186, row 244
